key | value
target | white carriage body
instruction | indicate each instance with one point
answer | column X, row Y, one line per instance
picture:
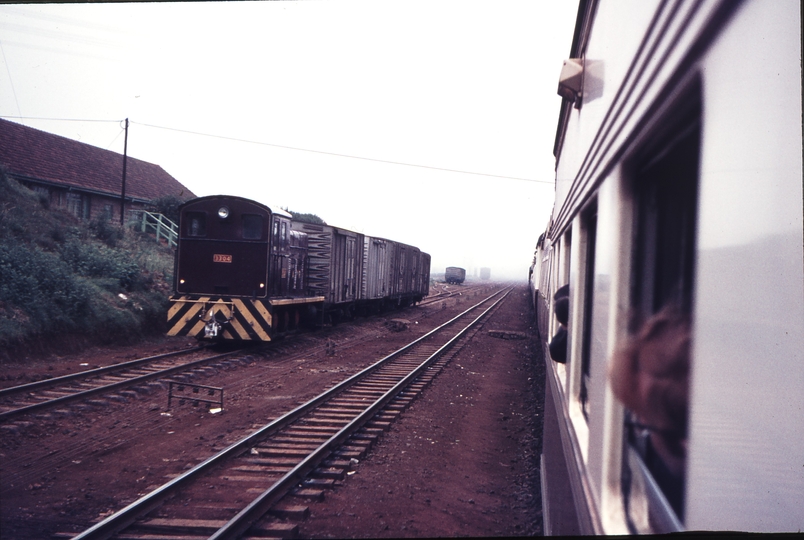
column 734, row 67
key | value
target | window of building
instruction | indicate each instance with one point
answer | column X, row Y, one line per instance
column 78, row 205
column 43, row 192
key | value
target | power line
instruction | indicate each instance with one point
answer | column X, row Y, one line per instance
column 10, row 79
column 235, row 139
column 59, row 119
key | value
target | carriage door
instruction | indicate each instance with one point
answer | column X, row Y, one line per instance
column 279, row 256
column 403, row 266
column 351, row 267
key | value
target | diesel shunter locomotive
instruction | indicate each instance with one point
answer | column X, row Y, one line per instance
column 245, row 272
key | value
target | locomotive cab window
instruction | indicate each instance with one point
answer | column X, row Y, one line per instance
column 196, row 224
column 650, row 372
column 252, row 227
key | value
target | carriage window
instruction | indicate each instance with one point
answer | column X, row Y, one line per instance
column 656, row 357
column 666, row 230
column 284, row 234
column 252, row 227
column 589, row 224
column 196, row 224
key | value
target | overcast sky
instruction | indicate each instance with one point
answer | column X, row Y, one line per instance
column 431, row 123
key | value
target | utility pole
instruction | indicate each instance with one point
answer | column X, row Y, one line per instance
column 123, row 194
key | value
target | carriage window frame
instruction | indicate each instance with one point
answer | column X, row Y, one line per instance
column 664, row 180
column 589, row 227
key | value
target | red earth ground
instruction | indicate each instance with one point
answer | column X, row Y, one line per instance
column 461, row 461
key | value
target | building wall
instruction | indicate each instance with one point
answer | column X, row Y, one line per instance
column 82, row 204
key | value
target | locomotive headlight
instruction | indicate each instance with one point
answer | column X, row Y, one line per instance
column 181, row 281
column 223, row 212
column 262, row 285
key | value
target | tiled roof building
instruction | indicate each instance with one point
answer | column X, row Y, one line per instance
column 80, row 178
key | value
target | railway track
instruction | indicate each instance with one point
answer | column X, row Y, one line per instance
column 296, row 456
column 449, row 291
column 61, row 391
column 30, row 468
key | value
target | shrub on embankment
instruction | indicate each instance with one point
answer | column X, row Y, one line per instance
column 66, row 283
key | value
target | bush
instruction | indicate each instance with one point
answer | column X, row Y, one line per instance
column 43, row 287
column 167, row 206
column 101, row 261
column 106, row 230
column 306, row 218
column 62, row 277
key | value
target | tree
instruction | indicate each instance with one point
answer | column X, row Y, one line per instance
column 306, row 218
column 168, row 206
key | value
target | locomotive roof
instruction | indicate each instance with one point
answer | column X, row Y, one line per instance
column 277, row 211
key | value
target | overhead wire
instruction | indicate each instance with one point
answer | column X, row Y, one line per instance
column 10, row 79
column 115, row 138
column 286, row 147
column 61, row 119
column 235, row 139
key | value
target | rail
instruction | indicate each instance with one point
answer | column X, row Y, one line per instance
column 129, row 370
column 248, row 517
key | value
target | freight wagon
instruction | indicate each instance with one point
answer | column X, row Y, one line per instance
column 245, row 272
column 454, row 275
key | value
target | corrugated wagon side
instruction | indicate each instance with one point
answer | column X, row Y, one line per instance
column 335, row 269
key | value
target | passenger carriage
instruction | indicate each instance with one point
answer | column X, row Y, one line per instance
column 678, row 227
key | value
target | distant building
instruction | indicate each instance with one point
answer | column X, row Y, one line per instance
column 80, row 178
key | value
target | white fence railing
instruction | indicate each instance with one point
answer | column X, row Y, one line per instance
column 156, row 224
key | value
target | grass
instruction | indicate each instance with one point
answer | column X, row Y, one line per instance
column 66, row 281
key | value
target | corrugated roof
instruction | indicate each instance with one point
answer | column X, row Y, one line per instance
column 40, row 155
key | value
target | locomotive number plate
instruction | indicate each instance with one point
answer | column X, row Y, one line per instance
column 217, row 257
